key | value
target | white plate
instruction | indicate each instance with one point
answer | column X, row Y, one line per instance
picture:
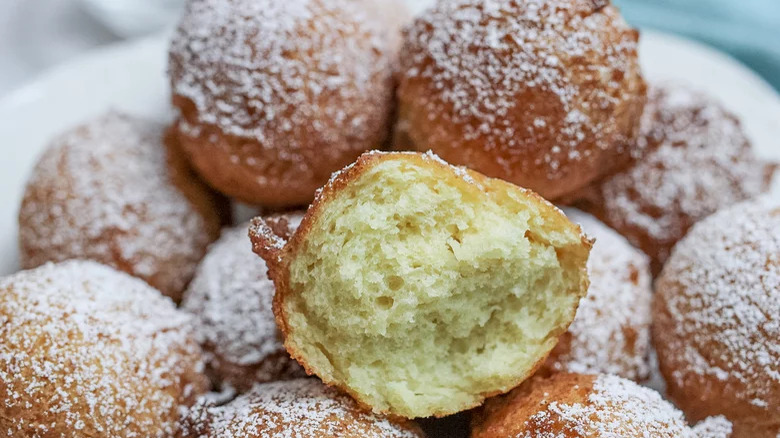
column 131, row 77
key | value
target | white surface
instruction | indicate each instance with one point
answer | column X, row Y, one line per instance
column 131, row 77
column 37, row 34
column 134, row 18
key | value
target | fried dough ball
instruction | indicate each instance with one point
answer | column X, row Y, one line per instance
column 611, row 332
column 275, row 95
column 231, row 297
column 110, row 191
column 89, row 351
column 716, row 319
column 545, row 94
column 588, row 406
column 294, row 408
column 699, row 161
column 421, row 288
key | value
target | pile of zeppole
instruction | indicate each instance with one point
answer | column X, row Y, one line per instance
column 477, row 221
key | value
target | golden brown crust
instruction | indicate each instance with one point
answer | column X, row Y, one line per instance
column 88, row 351
column 278, row 250
column 300, row 408
column 111, row 191
column 509, row 92
column 580, row 406
column 267, row 119
column 697, row 160
column 503, row 417
column 715, row 319
column 205, row 201
column 281, row 182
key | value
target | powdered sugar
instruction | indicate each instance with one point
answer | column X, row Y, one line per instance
column 285, row 72
column 701, row 162
column 720, row 305
column 486, row 69
column 714, row 427
column 104, row 191
column 611, row 333
column 292, row 409
column 460, row 171
column 231, row 298
column 615, row 408
column 89, row 351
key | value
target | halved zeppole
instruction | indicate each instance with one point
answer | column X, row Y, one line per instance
column 420, row 288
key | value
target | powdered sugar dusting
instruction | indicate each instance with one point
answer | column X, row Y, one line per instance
column 460, row 171
column 89, row 351
column 231, row 298
column 483, row 66
column 261, row 231
column 103, row 191
column 720, row 305
column 285, row 72
column 714, row 427
column 611, row 332
column 615, row 408
column 292, row 409
column 701, row 162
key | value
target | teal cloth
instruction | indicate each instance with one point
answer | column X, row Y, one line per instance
column 747, row 29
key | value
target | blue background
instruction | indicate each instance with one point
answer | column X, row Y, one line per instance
column 747, row 29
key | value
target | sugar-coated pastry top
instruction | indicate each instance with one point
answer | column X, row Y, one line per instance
column 539, row 44
column 292, row 409
column 231, row 298
column 284, row 73
column 540, row 86
column 717, row 315
column 611, row 333
column 700, row 161
column 89, row 351
column 714, row 427
column 109, row 190
column 585, row 406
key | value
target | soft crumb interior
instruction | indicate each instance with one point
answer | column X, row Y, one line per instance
column 422, row 292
